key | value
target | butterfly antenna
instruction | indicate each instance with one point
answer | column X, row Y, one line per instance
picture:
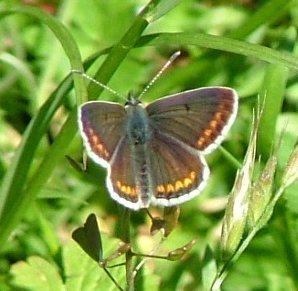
column 172, row 58
column 99, row 83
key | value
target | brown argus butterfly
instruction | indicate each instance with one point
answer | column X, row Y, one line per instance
column 154, row 154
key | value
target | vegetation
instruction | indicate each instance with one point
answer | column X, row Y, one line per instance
column 239, row 234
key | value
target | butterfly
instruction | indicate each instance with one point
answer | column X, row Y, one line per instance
column 155, row 154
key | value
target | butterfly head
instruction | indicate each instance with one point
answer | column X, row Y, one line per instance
column 132, row 100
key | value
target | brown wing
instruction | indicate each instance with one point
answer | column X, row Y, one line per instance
column 101, row 126
column 178, row 173
column 121, row 179
column 200, row 118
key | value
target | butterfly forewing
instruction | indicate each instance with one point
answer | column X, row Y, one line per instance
column 199, row 118
column 101, row 125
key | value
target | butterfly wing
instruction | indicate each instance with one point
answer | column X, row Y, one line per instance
column 121, row 178
column 199, row 118
column 101, row 126
column 175, row 173
column 178, row 173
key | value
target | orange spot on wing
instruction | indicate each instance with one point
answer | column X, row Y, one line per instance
column 127, row 190
column 187, row 182
column 133, row 191
column 96, row 144
column 161, row 189
column 178, row 186
column 218, row 115
column 207, row 132
column 201, row 141
column 193, row 175
column 94, row 140
column 213, row 124
column 170, row 188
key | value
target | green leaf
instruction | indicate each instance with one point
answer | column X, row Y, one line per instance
column 82, row 272
column 88, row 237
column 160, row 8
column 14, row 200
column 209, row 268
column 222, row 43
column 36, row 274
column 271, row 99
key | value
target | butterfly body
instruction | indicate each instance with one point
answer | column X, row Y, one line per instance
column 155, row 153
column 138, row 134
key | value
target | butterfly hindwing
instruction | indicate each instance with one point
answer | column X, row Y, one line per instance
column 121, row 178
column 175, row 173
column 178, row 173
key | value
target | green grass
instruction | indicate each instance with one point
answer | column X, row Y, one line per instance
column 43, row 197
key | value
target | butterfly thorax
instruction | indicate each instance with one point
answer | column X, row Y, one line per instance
column 138, row 130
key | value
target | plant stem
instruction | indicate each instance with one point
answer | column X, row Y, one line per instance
column 125, row 237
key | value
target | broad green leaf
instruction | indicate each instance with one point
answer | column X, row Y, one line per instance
column 36, row 274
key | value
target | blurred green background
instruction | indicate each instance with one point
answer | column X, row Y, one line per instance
column 44, row 198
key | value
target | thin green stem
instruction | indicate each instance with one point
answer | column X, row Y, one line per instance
column 235, row 163
column 125, row 237
column 113, row 280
